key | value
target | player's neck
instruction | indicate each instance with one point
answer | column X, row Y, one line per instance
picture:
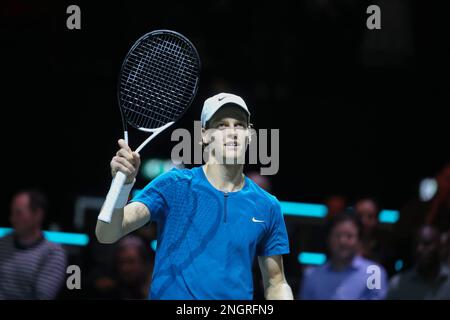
column 227, row 178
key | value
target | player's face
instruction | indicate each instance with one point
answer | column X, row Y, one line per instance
column 344, row 240
column 228, row 135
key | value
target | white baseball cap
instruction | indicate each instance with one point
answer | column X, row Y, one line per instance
column 214, row 103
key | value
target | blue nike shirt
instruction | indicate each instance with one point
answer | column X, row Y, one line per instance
column 207, row 239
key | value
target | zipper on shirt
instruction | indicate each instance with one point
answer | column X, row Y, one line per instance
column 225, row 197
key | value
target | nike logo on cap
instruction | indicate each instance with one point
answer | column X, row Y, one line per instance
column 221, row 98
column 255, row 220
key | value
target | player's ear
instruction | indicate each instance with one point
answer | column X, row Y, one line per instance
column 205, row 136
column 250, row 132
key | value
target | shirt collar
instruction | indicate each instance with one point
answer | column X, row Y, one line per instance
column 21, row 246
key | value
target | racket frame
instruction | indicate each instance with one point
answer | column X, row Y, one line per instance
column 119, row 179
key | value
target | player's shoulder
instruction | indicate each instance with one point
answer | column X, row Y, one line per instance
column 176, row 175
column 261, row 194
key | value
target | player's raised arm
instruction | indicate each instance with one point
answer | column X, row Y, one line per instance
column 125, row 218
column 156, row 108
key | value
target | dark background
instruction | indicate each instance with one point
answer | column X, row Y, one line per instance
column 359, row 111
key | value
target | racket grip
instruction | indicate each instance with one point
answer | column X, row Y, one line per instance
column 111, row 198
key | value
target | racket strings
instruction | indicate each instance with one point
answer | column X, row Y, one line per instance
column 158, row 81
column 186, row 66
column 162, row 81
column 166, row 77
column 167, row 115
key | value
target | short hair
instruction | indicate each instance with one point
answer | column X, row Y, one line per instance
column 344, row 216
column 37, row 199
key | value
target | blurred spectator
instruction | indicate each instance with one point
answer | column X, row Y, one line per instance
column 311, row 237
column 30, row 266
column 438, row 213
column 100, row 260
column 375, row 242
column 434, row 212
column 262, row 181
column 429, row 278
column 133, row 267
column 367, row 209
column 445, row 240
column 345, row 275
column 335, row 204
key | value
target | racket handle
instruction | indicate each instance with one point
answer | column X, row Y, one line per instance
column 111, row 198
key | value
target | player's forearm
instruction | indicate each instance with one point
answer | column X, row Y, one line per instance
column 110, row 232
column 279, row 291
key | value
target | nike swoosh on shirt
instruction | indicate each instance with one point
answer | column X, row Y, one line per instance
column 255, row 220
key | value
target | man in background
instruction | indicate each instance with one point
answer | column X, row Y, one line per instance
column 345, row 275
column 430, row 277
column 415, row 213
column 375, row 241
column 30, row 266
column 132, row 270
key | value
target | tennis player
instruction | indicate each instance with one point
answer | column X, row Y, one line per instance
column 212, row 220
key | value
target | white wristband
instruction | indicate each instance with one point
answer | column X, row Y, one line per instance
column 122, row 199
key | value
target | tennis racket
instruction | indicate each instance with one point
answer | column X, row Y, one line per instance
column 157, row 83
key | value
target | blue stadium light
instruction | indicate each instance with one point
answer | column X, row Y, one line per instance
column 154, row 244
column 5, row 231
column 303, row 209
column 389, row 216
column 398, row 265
column 312, row 258
column 74, row 239
column 427, row 189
